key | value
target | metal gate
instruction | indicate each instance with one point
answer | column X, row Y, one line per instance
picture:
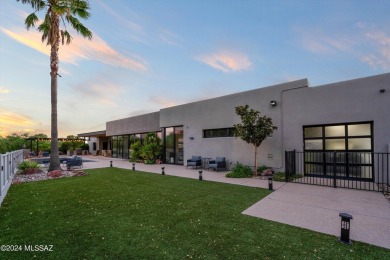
column 353, row 170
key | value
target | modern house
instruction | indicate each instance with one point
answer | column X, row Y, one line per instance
column 349, row 116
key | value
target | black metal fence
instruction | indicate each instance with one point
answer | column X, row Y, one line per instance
column 353, row 170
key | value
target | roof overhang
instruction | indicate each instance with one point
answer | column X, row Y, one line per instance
column 93, row 134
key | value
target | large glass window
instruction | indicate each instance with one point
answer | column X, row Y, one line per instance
column 352, row 143
column 174, row 145
column 179, row 156
column 169, row 145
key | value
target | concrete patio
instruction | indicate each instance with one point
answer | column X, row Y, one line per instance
column 311, row 207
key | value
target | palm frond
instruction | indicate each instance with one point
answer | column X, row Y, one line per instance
column 80, row 8
column 31, row 20
column 67, row 37
column 35, row 4
column 79, row 27
column 44, row 28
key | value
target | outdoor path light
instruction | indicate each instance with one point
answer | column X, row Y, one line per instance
column 270, row 185
column 200, row 175
column 133, row 166
column 110, row 163
column 162, row 170
column 345, row 227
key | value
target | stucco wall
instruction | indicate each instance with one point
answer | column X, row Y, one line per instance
column 349, row 101
column 133, row 125
column 220, row 113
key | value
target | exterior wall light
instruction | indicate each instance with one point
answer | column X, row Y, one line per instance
column 382, row 90
column 273, row 103
column 191, row 138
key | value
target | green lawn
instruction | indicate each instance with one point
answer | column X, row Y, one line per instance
column 121, row 214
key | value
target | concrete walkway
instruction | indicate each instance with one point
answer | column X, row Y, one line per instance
column 311, row 207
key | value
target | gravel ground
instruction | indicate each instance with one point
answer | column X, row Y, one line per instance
column 20, row 178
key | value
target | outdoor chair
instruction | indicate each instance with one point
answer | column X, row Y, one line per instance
column 218, row 164
column 195, row 161
column 74, row 161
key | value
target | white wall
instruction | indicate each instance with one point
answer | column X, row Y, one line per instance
column 220, row 113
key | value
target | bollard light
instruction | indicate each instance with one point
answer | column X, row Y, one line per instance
column 270, row 186
column 162, row 170
column 345, row 227
column 110, row 163
column 200, row 175
column 133, row 166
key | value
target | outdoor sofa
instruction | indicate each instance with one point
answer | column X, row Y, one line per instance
column 195, row 161
column 74, row 161
column 218, row 164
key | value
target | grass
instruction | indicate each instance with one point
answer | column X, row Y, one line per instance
column 120, row 214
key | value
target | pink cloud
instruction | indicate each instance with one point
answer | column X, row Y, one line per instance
column 227, row 61
column 79, row 49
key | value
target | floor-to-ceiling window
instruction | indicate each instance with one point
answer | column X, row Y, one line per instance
column 122, row 144
column 114, row 142
column 346, row 148
column 173, row 145
column 179, row 148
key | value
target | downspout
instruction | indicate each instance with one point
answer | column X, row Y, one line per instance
column 281, row 122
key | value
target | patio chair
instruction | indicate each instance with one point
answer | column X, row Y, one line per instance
column 218, row 164
column 74, row 162
column 195, row 161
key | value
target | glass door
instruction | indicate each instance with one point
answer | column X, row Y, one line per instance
column 179, row 148
column 169, row 145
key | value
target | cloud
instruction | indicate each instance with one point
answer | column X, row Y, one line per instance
column 162, row 102
column 226, row 61
column 11, row 122
column 380, row 52
column 79, row 49
column 169, row 37
column 99, row 90
column 320, row 43
column 11, row 118
column 4, row 91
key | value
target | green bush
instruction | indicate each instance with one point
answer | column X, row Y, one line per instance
column 240, row 171
column 28, row 165
column 281, row 176
column 135, row 154
column 262, row 168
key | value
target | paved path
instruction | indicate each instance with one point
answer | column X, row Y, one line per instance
column 311, row 207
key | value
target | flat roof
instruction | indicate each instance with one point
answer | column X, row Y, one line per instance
column 93, row 134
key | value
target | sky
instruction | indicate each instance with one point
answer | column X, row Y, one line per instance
column 146, row 55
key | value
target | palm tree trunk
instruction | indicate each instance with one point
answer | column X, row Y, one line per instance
column 54, row 155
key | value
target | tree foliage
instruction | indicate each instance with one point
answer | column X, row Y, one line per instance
column 57, row 11
column 254, row 128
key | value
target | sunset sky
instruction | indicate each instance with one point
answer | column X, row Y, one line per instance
column 146, row 55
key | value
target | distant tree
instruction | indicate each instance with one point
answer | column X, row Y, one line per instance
column 57, row 11
column 254, row 128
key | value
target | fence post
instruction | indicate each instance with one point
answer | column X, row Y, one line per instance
column 334, row 169
column 286, row 165
column 294, row 162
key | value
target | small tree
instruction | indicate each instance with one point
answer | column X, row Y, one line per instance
column 254, row 128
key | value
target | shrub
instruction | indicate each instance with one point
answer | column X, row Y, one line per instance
column 135, row 154
column 28, row 165
column 261, row 168
column 240, row 171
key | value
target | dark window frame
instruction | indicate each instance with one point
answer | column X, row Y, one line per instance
column 215, row 133
column 325, row 163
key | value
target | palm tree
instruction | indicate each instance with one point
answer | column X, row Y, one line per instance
column 57, row 11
